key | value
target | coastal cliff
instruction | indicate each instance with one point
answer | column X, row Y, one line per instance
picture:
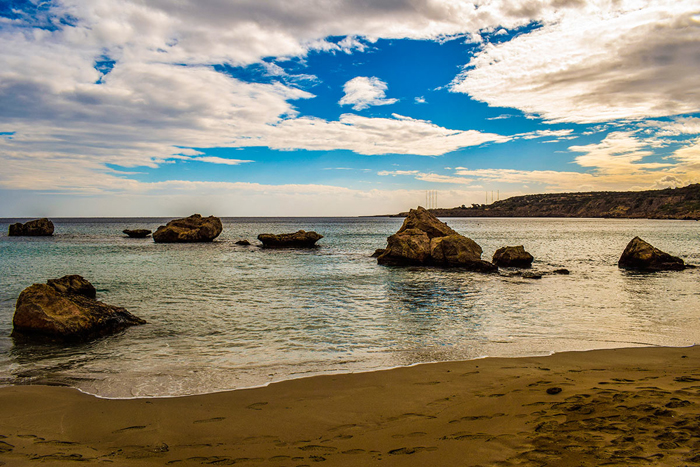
column 670, row 203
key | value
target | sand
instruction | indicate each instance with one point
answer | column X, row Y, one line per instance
column 616, row 407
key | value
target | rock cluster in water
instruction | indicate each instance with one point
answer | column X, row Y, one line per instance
column 298, row 239
column 137, row 233
column 642, row 256
column 423, row 239
column 512, row 257
column 189, row 229
column 36, row 228
column 66, row 309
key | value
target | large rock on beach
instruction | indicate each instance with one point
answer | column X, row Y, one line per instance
column 512, row 257
column 137, row 233
column 66, row 309
column 642, row 256
column 36, row 228
column 298, row 239
column 189, row 229
column 425, row 240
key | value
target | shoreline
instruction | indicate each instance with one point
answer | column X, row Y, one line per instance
column 621, row 406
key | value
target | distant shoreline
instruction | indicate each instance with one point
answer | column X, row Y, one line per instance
column 670, row 203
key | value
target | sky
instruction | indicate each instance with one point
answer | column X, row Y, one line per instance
column 339, row 108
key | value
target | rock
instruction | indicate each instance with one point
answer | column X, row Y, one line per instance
column 138, row 233
column 512, row 257
column 36, row 228
column 298, row 239
column 243, row 242
column 425, row 221
column 561, row 271
column 73, row 285
column 531, row 275
column 458, row 250
column 410, row 246
column 189, row 229
column 377, row 253
column 642, row 256
column 424, row 240
column 65, row 309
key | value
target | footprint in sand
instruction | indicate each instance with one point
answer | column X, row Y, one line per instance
column 210, row 420
column 413, row 450
column 129, row 428
column 257, row 406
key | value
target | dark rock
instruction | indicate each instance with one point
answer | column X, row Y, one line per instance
column 424, row 240
column 243, row 242
column 298, row 239
column 512, row 257
column 531, row 275
column 36, row 228
column 73, row 285
column 642, row 256
column 378, row 252
column 64, row 309
column 138, row 233
column 189, row 229
column 561, row 271
column 553, row 390
column 410, row 246
column 423, row 220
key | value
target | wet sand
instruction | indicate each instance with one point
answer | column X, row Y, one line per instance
column 615, row 407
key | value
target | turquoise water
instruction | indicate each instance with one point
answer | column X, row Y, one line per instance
column 223, row 316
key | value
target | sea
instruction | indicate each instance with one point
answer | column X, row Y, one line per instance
column 223, row 316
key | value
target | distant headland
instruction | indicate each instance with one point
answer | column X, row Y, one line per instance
column 669, row 203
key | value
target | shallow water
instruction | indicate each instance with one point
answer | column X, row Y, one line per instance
column 223, row 316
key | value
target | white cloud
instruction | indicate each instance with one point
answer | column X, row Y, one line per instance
column 676, row 127
column 220, row 160
column 420, row 100
column 370, row 136
column 618, row 153
column 563, row 134
column 397, row 172
column 362, row 92
column 626, row 59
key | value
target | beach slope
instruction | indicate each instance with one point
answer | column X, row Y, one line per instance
column 615, row 407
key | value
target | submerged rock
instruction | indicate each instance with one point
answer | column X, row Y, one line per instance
column 512, row 257
column 36, row 228
column 66, row 309
column 298, row 239
column 138, row 233
column 243, row 242
column 189, row 229
column 642, row 256
column 424, row 240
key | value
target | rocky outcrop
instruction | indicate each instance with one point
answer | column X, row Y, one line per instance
column 512, row 257
column 669, row 203
column 36, row 228
column 424, row 239
column 66, row 309
column 189, row 229
column 298, row 239
column 138, row 233
column 642, row 256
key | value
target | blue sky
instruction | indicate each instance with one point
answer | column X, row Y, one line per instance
column 283, row 108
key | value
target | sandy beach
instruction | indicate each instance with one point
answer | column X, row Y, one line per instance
column 608, row 407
